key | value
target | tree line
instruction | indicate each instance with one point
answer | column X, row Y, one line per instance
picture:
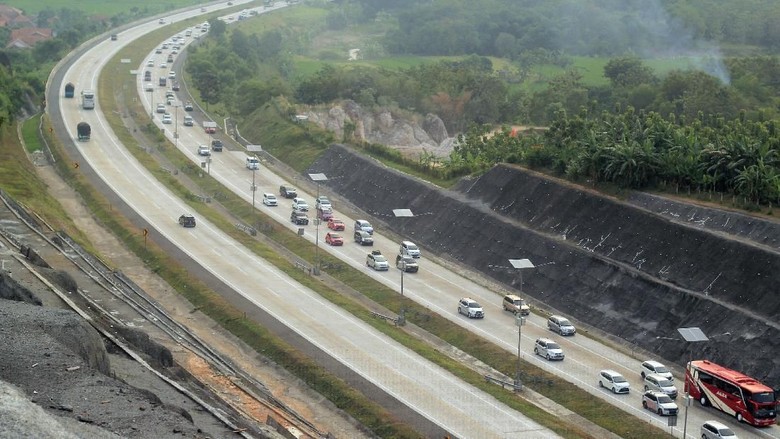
column 639, row 150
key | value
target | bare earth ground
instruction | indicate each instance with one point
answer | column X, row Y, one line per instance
column 284, row 386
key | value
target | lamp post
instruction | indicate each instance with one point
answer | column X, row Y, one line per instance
column 403, row 270
column 402, row 213
column 519, row 265
column 176, row 124
column 151, row 103
column 317, row 178
column 519, row 321
column 253, row 188
column 690, row 335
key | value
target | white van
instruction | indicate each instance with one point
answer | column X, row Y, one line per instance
column 188, row 121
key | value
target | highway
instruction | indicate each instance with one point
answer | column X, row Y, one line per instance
column 434, row 393
column 434, row 287
column 439, row 289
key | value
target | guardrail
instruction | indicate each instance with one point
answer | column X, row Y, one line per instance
column 303, row 266
column 246, row 229
column 397, row 321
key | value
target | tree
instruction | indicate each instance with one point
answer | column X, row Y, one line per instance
column 628, row 71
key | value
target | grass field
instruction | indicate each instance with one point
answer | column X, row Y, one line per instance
column 102, row 7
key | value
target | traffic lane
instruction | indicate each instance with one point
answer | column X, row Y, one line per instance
column 436, row 285
column 272, row 290
column 139, row 189
column 439, row 283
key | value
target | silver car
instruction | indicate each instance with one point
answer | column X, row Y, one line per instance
column 548, row 349
column 660, row 384
column 659, row 402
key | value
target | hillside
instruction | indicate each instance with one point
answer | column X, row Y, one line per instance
column 612, row 265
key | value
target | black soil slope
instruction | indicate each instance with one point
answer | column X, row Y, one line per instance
column 625, row 270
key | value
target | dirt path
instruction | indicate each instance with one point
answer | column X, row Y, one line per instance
column 283, row 385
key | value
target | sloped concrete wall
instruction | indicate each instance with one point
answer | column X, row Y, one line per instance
column 619, row 268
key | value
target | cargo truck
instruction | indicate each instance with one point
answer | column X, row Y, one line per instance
column 84, row 131
column 88, row 99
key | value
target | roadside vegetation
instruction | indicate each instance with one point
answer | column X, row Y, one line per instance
column 697, row 125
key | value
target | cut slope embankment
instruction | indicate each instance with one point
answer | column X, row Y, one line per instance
column 625, row 270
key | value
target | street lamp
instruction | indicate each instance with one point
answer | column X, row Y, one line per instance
column 176, row 124
column 151, row 103
column 317, row 178
column 253, row 188
column 519, row 321
column 690, row 335
column 402, row 213
column 519, row 265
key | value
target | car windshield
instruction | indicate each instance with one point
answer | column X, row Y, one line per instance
column 661, row 369
column 565, row 322
column 665, row 383
column 664, row 399
column 553, row 346
column 474, row 305
column 412, row 247
column 380, row 258
column 618, row 379
column 334, row 236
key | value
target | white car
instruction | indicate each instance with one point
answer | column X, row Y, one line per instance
column 167, row 119
column 716, row 430
column 269, row 200
column 377, row 261
column 654, row 367
column 150, row 63
column 171, row 75
column 149, row 87
column 323, row 202
column 163, row 65
column 204, row 150
column 300, row 204
column 613, row 381
column 470, row 308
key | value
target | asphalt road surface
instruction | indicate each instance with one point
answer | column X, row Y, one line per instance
column 431, row 391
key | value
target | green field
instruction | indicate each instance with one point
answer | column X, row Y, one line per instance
column 103, row 7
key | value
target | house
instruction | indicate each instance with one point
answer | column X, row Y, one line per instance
column 27, row 37
column 11, row 17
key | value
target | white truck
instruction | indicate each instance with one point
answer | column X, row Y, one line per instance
column 252, row 163
column 209, row 126
column 88, row 99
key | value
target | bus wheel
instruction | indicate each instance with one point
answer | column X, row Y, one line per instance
column 739, row 417
column 703, row 401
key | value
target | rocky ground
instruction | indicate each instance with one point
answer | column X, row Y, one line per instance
column 106, row 394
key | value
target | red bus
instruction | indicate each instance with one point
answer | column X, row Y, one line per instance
column 731, row 392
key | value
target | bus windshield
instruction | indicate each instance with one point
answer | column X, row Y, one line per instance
column 763, row 398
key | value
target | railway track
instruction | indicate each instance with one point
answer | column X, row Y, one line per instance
column 114, row 300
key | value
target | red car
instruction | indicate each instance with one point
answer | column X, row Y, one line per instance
column 336, row 224
column 334, row 239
